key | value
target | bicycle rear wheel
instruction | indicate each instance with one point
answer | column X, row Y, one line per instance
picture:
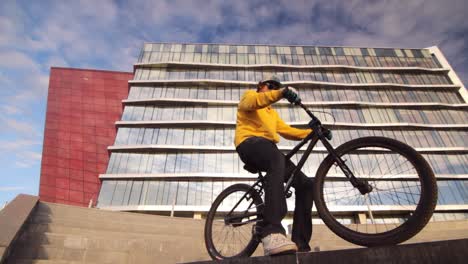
column 402, row 184
column 231, row 228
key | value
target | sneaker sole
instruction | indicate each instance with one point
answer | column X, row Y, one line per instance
column 282, row 251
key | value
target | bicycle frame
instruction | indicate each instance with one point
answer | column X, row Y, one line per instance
column 318, row 133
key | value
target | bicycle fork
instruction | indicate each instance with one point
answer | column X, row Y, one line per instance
column 362, row 185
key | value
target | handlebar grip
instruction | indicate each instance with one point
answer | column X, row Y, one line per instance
column 328, row 134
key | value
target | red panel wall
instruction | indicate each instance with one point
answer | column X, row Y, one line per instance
column 82, row 108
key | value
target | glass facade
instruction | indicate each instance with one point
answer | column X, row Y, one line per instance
column 174, row 147
column 367, row 115
column 309, row 93
column 224, row 135
column 290, row 55
column 203, row 193
column 228, row 163
column 291, row 75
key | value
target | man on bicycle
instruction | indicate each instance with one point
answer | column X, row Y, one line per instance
column 257, row 129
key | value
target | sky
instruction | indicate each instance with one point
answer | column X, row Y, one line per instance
column 107, row 34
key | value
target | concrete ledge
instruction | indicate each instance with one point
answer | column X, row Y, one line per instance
column 12, row 219
column 450, row 251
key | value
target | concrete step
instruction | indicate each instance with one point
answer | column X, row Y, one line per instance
column 60, row 229
column 452, row 251
column 68, row 254
column 151, row 254
column 63, row 233
column 43, row 261
column 324, row 243
column 117, row 217
column 110, row 243
column 68, row 211
column 103, row 219
column 430, row 227
column 435, row 236
column 49, row 224
column 157, row 227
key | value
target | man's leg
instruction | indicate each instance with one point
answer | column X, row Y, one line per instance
column 264, row 155
column 302, row 224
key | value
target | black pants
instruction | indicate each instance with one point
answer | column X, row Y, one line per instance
column 265, row 156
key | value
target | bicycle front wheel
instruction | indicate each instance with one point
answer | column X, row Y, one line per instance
column 402, row 197
column 231, row 227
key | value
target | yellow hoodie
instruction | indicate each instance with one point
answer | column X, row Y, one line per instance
column 255, row 117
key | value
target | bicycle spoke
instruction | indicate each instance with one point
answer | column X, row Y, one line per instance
column 239, row 238
column 224, row 241
column 368, row 166
column 390, row 166
column 399, row 167
column 233, row 238
column 243, row 235
column 396, row 188
column 373, row 168
column 231, row 234
column 335, row 192
column 397, row 200
column 340, row 197
column 395, row 191
column 224, row 226
column 382, row 168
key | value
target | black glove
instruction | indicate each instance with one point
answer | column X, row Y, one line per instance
column 291, row 95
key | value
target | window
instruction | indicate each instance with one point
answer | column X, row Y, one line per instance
column 117, row 198
column 182, row 193
column 105, row 195
column 135, row 193
column 325, row 51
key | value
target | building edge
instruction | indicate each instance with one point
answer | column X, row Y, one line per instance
column 451, row 74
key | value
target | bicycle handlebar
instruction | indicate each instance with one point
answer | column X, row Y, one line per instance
column 315, row 121
column 307, row 111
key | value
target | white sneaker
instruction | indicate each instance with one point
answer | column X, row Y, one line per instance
column 278, row 243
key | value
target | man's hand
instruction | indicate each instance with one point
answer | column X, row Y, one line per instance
column 290, row 93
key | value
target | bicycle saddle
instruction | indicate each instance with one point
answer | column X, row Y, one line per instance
column 251, row 169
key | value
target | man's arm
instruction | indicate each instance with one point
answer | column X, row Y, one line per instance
column 252, row 100
column 289, row 132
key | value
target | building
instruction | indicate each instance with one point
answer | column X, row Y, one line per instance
column 82, row 107
column 173, row 152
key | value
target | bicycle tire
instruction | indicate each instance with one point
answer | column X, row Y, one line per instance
column 252, row 243
column 416, row 219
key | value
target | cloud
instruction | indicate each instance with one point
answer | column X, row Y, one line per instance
column 7, row 31
column 4, row 80
column 27, row 159
column 10, row 109
column 11, row 188
column 31, row 155
column 408, row 24
column 9, row 146
column 20, row 127
column 21, row 154
column 17, row 60
column 56, row 61
column 110, row 35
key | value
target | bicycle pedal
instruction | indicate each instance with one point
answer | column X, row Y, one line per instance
column 288, row 194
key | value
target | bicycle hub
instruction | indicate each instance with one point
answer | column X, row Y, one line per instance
column 364, row 187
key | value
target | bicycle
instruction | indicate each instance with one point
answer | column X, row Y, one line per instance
column 237, row 209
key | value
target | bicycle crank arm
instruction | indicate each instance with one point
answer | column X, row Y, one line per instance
column 233, row 219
